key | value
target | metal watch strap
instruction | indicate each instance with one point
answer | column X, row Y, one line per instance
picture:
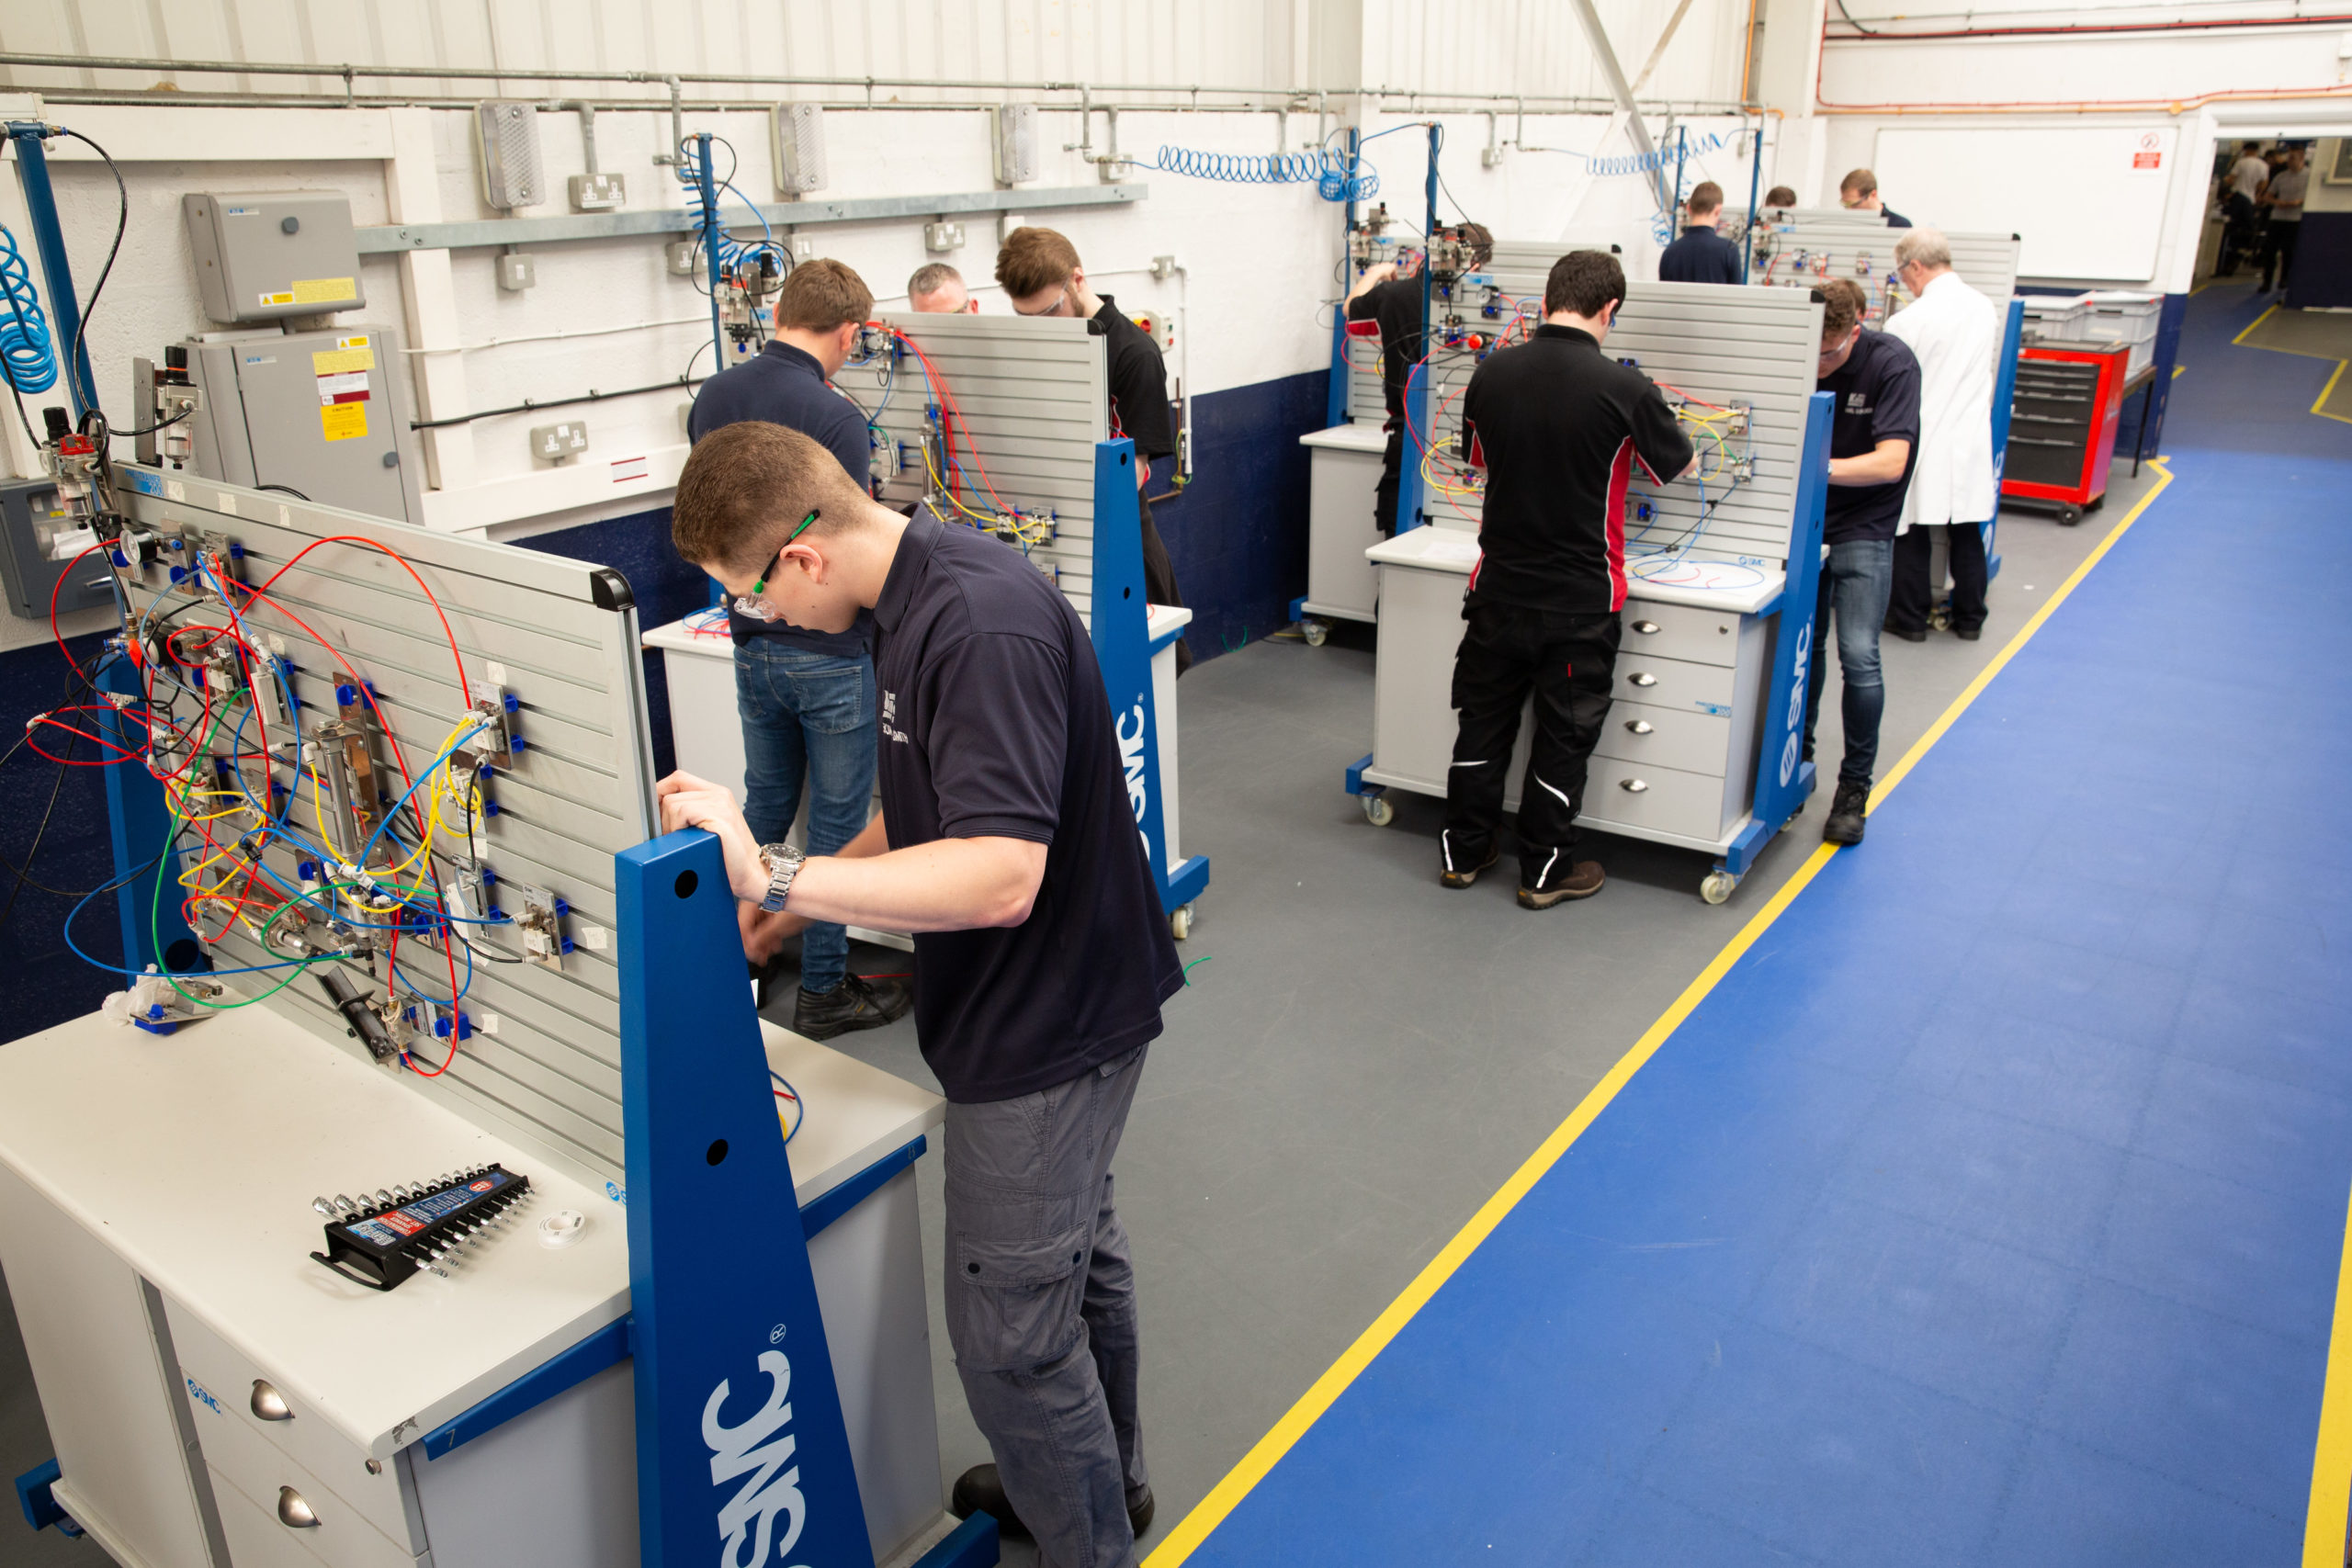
column 784, row 863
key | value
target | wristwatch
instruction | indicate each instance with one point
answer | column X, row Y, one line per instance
column 784, row 863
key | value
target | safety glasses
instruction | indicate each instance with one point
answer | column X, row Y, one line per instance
column 751, row 605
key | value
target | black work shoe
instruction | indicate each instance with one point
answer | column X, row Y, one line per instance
column 1968, row 634
column 1581, row 880
column 1846, row 813
column 1452, row 878
column 856, row 1003
column 1908, row 636
column 977, row 1491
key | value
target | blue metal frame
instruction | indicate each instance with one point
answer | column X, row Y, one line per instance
column 139, row 823
column 710, row 236
column 1417, row 383
column 740, row 1435
column 34, row 1497
column 1335, row 400
column 565, row 1369
column 1123, row 646
column 1784, row 778
column 2005, row 391
column 824, row 1210
column 49, row 238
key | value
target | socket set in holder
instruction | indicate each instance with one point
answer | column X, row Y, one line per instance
column 385, row 1238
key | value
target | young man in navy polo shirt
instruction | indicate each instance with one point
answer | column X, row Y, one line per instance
column 805, row 698
column 1007, row 845
column 1701, row 254
column 1559, row 426
column 1875, row 379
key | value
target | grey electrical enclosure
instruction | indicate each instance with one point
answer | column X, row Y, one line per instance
column 270, row 255
column 799, row 148
column 1015, row 142
column 320, row 413
column 33, row 522
column 506, row 133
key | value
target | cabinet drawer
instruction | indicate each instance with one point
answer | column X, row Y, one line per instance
column 1654, row 682
column 1669, row 737
column 1678, row 631
column 221, row 1396
column 258, row 1540
column 258, row 1468
column 1666, row 800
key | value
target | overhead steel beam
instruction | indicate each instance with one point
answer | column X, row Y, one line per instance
column 1598, row 37
column 394, row 237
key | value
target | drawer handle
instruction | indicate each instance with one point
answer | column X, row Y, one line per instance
column 1639, row 726
column 268, row 1404
column 1631, row 786
column 1643, row 680
column 1647, row 628
column 294, row 1510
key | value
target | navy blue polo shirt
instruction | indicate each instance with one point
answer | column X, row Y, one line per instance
column 1701, row 255
column 1878, row 400
column 784, row 385
column 995, row 723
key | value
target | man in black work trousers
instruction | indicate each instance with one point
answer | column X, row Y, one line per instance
column 1390, row 295
column 1559, row 426
column 1701, row 254
column 1007, row 845
column 1041, row 276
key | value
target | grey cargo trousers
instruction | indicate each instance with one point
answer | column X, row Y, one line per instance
column 1040, row 1308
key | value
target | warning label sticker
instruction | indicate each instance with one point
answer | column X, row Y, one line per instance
column 343, row 422
column 2147, row 159
column 276, row 298
column 344, row 387
column 352, row 353
column 325, row 290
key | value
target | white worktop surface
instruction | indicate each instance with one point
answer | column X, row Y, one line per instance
column 195, row 1157
column 1357, row 437
column 1456, row 550
column 675, row 637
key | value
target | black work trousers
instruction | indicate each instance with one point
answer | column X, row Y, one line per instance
column 1570, row 662
column 1913, row 595
column 1392, row 471
column 2278, row 253
column 1159, row 577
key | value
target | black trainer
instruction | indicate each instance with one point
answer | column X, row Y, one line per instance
column 977, row 1491
column 1847, row 813
column 856, row 1003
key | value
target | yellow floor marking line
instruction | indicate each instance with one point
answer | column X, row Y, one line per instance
column 2266, row 315
column 2320, row 406
column 1226, row 1495
column 2331, row 1504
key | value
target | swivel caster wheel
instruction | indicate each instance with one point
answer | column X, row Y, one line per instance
column 1180, row 924
column 2070, row 515
column 1316, row 633
column 1718, row 887
column 1377, row 811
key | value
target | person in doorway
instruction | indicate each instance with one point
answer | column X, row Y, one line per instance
column 2238, row 231
column 1390, row 296
column 1954, row 334
column 2283, row 200
column 1858, row 192
column 1874, row 379
column 1701, row 254
column 1042, row 276
column 2248, row 174
column 937, row 289
column 1006, row 845
column 1559, row 425
column 1780, row 199
column 804, row 694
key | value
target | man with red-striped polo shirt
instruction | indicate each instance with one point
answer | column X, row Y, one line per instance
column 1558, row 426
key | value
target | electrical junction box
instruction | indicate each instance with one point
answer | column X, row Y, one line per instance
column 38, row 543
column 559, row 442
column 1013, row 143
column 1159, row 328
column 507, row 134
column 268, row 257
column 798, row 132
column 321, row 414
column 517, row 272
column 684, row 257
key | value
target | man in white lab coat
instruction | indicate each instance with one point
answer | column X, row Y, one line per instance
column 1955, row 334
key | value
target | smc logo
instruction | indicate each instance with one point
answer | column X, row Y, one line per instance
column 1792, row 749
column 759, row 1448
column 1131, row 757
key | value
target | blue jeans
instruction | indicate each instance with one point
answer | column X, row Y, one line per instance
column 1855, row 582
column 812, row 713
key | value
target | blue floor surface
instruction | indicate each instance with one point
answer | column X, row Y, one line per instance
column 1989, row 1210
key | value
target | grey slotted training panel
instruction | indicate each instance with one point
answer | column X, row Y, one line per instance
column 1805, row 252
column 560, row 636
column 1033, row 395
column 1714, row 343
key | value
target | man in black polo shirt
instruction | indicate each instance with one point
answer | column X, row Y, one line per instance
column 1390, row 295
column 1007, row 845
column 1858, row 192
column 805, row 698
column 1042, row 276
column 1702, row 255
column 1559, row 426
column 1875, row 379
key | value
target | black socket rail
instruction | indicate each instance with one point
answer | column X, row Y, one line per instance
column 385, row 1238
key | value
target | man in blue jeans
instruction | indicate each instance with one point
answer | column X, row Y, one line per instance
column 1875, row 379
column 806, row 697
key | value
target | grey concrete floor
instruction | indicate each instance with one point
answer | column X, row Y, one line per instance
column 1365, row 1058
